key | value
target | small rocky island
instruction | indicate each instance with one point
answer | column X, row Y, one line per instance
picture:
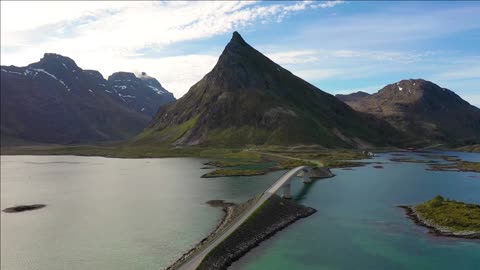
column 23, row 208
column 447, row 217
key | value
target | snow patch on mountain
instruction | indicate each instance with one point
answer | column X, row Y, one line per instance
column 40, row 70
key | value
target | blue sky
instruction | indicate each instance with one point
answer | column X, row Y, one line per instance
column 338, row 46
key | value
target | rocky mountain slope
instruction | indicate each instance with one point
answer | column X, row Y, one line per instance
column 249, row 99
column 143, row 93
column 55, row 101
column 424, row 110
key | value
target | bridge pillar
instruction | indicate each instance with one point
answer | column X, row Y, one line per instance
column 287, row 191
column 306, row 176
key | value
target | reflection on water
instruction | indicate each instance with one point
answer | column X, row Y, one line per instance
column 105, row 213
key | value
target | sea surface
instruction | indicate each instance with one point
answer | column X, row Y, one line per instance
column 358, row 225
column 105, row 213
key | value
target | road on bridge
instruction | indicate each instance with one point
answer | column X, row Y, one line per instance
column 194, row 260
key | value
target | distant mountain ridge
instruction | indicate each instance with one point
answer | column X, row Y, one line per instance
column 55, row 101
column 143, row 93
column 352, row 97
column 249, row 99
column 424, row 110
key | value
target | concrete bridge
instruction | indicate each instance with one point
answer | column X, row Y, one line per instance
column 284, row 183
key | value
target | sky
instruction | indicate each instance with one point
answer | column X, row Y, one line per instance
column 339, row 46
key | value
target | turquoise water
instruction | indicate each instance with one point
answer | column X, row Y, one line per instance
column 105, row 213
column 358, row 225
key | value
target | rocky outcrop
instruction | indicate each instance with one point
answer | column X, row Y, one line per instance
column 320, row 172
column 23, row 208
column 434, row 229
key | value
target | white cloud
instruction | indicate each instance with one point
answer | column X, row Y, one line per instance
column 106, row 35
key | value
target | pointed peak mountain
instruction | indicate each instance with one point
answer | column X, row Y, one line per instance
column 238, row 47
column 240, row 66
column 237, row 38
column 249, row 99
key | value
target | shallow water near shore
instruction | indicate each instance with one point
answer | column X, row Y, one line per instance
column 105, row 213
column 358, row 225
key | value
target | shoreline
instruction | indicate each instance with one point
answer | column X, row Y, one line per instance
column 434, row 229
column 228, row 212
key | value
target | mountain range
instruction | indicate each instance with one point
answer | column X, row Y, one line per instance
column 249, row 99
column 55, row 101
column 245, row 99
column 423, row 110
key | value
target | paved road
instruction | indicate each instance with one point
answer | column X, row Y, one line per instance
column 194, row 261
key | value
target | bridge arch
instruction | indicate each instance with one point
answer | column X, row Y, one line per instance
column 284, row 182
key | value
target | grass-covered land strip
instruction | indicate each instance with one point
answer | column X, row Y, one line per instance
column 459, row 166
column 413, row 160
column 275, row 214
column 230, row 168
column 227, row 163
column 447, row 217
column 343, row 164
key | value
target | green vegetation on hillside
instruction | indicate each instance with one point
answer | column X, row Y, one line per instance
column 475, row 148
column 455, row 216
